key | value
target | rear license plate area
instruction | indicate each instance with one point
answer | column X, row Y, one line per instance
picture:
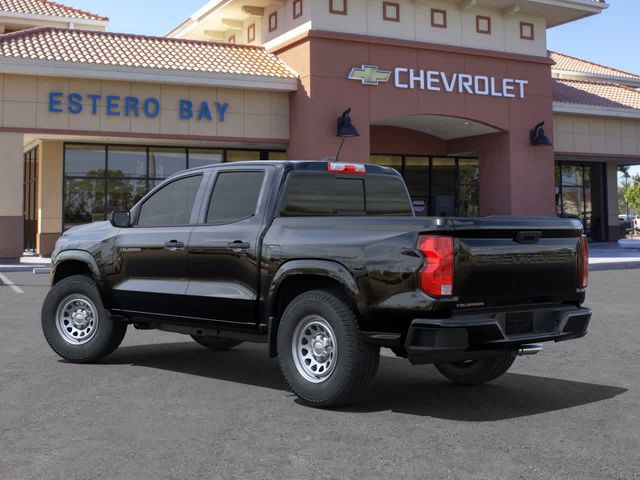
column 519, row 322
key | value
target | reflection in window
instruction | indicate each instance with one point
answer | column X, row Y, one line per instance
column 199, row 157
column 171, row 205
column 164, row 162
column 127, row 161
column 573, row 193
column 242, row 155
column 83, row 201
column 439, row 186
column 84, row 160
column 90, row 192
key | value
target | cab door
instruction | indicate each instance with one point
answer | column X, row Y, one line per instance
column 224, row 249
column 151, row 271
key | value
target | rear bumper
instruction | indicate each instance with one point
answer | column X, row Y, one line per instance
column 474, row 336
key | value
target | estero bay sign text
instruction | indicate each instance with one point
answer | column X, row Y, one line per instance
column 132, row 106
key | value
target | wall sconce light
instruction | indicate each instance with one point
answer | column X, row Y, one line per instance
column 345, row 129
column 538, row 137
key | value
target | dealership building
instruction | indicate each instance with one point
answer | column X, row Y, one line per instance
column 448, row 92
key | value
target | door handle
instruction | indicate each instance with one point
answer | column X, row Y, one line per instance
column 238, row 246
column 173, row 244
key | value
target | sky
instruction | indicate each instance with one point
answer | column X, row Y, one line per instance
column 611, row 38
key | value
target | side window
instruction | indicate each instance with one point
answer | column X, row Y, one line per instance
column 235, row 196
column 171, row 205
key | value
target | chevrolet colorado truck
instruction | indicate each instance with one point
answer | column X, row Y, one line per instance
column 325, row 262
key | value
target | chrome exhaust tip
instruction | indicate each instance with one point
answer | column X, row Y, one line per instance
column 530, row 349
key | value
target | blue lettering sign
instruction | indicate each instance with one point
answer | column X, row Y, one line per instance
column 204, row 112
column 54, row 102
column 222, row 110
column 75, row 103
column 113, row 105
column 132, row 105
column 152, row 107
column 94, row 102
column 186, row 109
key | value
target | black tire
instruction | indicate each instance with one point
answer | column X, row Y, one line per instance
column 216, row 343
column 107, row 335
column 477, row 372
column 356, row 361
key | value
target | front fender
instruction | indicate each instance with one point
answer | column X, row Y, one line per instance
column 79, row 256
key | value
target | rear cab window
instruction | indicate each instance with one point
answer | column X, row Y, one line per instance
column 323, row 193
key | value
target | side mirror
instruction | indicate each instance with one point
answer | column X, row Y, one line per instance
column 121, row 219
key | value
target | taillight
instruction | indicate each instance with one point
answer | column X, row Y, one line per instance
column 583, row 262
column 436, row 277
column 337, row 167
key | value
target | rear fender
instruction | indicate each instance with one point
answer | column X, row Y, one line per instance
column 322, row 270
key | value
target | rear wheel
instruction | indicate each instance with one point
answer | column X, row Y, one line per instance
column 322, row 353
column 216, row 343
column 476, row 372
column 76, row 324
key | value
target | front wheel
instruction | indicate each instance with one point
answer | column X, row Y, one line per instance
column 76, row 324
column 322, row 353
column 476, row 372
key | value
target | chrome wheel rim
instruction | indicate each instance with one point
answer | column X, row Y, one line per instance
column 77, row 319
column 315, row 350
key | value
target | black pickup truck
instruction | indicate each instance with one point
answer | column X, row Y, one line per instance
column 326, row 263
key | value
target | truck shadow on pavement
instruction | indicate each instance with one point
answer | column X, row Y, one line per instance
column 398, row 387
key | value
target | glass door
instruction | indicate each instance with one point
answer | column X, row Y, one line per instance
column 30, row 199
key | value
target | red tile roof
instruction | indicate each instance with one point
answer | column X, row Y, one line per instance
column 596, row 94
column 48, row 8
column 572, row 64
column 128, row 50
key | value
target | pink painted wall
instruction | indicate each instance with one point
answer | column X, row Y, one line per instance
column 516, row 178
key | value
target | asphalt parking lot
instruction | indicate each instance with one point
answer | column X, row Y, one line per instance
column 162, row 407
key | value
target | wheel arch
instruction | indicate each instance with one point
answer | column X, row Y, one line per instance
column 75, row 262
column 298, row 276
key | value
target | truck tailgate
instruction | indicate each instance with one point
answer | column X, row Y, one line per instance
column 516, row 261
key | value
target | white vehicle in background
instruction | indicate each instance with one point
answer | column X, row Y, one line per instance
column 636, row 224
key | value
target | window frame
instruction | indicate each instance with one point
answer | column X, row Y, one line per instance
column 297, row 5
column 272, row 21
column 387, row 18
column 251, row 33
column 208, row 195
column 335, row 11
column 479, row 18
column 195, row 208
column 530, row 25
column 434, row 12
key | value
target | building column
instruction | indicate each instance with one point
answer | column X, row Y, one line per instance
column 50, row 178
column 11, row 195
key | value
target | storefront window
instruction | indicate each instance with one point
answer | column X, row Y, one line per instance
column 439, row 186
column 164, row 162
column 85, row 160
column 242, row 155
column 574, row 194
column 99, row 179
column 127, row 161
column 199, row 157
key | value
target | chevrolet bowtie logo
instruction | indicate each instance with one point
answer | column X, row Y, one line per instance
column 369, row 75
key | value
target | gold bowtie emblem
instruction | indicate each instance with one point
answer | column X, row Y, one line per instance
column 369, row 75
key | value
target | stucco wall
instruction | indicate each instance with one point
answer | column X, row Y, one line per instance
column 24, row 104
column 365, row 17
column 11, row 194
column 50, row 174
column 596, row 135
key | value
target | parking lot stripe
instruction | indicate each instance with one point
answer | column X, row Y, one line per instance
column 10, row 284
